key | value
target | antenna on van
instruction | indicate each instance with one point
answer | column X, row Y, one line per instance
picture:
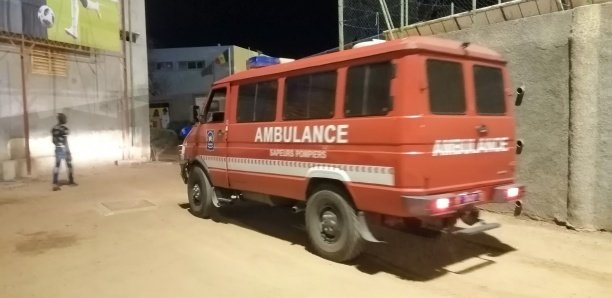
column 465, row 44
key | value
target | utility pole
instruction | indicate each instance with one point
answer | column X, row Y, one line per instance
column 340, row 25
column 230, row 58
column 402, row 11
column 562, row 5
column 377, row 23
column 388, row 20
column 407, row 7
column 24, row 96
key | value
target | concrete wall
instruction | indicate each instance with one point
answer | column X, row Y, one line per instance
column 590, row 196
column 138, row 83
column 603, row 189
column 90, row 95
column 538, row 55
column 565, row 62
column 11, row 107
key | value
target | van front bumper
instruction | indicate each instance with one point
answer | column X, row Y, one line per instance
column 183, row 163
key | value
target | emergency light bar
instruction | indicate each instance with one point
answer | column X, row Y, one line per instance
column 263, row 61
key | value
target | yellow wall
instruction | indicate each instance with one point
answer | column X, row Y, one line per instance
column 240, row 57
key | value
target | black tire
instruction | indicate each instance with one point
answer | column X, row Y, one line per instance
column 200, row 191
column 342, row 243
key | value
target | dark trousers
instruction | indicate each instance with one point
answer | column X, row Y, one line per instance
column 62, row 153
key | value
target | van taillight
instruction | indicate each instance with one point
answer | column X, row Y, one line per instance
column 512, row 192
column 442, row 203
column 506, row 193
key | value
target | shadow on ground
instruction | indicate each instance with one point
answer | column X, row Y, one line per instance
column 407, row 256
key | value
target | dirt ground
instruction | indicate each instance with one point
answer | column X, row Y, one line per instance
column 126, row 232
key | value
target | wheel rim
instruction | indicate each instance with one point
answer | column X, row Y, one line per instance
column 330, row 225
column 196, row 195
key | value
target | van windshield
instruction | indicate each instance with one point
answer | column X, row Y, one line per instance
column 489, row 87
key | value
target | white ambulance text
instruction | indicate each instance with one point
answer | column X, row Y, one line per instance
column 469, row 146
column 321, row 154
column 309, row 134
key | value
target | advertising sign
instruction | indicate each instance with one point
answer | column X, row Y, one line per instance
column 90, row 23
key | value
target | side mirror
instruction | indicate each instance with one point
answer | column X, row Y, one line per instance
column 520, row 92
column 519, row 146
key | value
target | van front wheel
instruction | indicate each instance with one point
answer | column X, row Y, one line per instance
column 331, row 223
column 200, row 191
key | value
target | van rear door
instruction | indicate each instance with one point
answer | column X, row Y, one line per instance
column 468, row 127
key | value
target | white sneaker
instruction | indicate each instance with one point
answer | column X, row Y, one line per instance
column 72, row 32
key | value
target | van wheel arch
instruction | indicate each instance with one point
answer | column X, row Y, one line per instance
column 315, row 184
column 199, row 162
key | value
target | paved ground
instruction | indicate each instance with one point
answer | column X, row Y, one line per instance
column 70, row 244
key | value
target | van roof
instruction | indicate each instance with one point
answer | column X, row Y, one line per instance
column 409, row 44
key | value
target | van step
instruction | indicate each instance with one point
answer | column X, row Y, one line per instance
column 226, row 201
column 477, row 229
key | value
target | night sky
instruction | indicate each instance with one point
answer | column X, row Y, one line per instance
column 291, row 29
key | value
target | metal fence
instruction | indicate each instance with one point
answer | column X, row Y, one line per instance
column 362, row 19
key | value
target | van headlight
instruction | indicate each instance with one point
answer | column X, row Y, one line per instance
column 181, row 152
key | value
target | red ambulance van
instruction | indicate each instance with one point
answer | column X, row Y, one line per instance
column 413, row 130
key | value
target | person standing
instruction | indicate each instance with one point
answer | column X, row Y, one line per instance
column 165, row 119
column 156, row 119
column 196, row 114
column 59, row 134
column 73, row 30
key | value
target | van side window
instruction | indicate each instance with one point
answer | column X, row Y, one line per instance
column 215, row 110
column 489, row 86
column 257, row 102
column 310, row 96
column 368, row 89
column 446, row 87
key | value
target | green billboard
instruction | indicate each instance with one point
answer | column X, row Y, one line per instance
column 90, row 23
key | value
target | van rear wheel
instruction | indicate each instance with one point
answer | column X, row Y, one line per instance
column 200, row 194
column 331, row 223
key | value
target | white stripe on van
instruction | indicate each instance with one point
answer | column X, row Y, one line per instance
column 349, row 173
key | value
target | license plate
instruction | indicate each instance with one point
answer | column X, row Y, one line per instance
column 469, row 198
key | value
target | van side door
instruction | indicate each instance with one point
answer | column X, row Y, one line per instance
column 212, row 139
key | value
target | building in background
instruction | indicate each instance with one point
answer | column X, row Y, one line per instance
column 180, row 78
column 90, row 65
